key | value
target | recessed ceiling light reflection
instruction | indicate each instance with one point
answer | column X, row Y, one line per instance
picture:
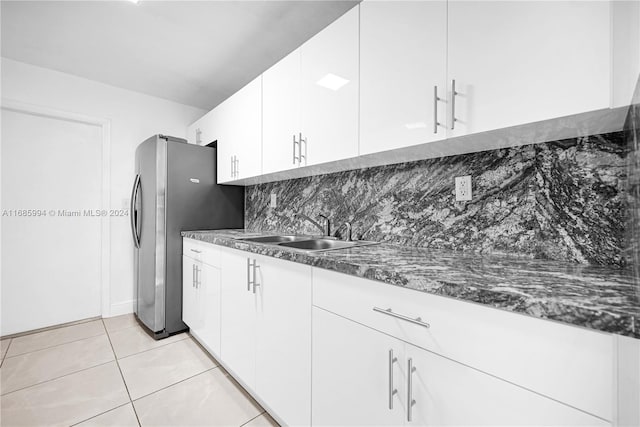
column 331, row 81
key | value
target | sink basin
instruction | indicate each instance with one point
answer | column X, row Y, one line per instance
column 324, row 244
column 275, row 239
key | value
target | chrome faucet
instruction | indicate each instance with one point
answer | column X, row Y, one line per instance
column 347, row 235
column 325, row 228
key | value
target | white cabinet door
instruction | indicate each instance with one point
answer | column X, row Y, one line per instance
column 189, row 293
column 403, row 58
column 329, row 87
column 208, row 302
column 449, row 393
column 517, row 62
column 283, row 346
column 238, row 316
column 354, row 374
column 204, row 130
column 281, row 114
column 227, row 151
column 241, row 134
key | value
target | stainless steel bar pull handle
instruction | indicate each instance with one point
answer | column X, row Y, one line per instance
column 453, row 104
column 300, row 150
column 255, row 282
column 134, row 215
column 233, row 165
column 249, row 274
column 237, row 166
column 295, row 158
column 392, row 390
column 195, row 250
column 193, row 275
column 389, row 312
column 410, row 400
column 436, row 98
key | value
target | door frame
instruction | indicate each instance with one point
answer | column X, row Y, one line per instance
column 105, row 223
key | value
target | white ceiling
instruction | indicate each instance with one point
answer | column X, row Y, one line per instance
column 193, row 52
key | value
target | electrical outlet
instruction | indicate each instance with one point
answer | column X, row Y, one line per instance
column 274, row 203
column 463, row 188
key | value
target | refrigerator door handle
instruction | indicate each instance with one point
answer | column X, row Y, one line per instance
column 133, row 212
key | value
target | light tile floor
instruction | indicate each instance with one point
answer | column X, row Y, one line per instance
column 111, row 373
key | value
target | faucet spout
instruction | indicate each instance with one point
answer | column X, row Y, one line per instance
column 324, row 229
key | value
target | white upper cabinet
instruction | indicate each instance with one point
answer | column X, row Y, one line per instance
column 403, row 58
column 329, row 91
column 203, row 131
column 281, row 115
column 516, row 62
column 240, row 135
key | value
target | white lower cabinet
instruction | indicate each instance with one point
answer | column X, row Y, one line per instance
column 308, row 344
column 266, row 330
column 352, row 374
column 364, row 377
column 238, row 311
column 201, row 301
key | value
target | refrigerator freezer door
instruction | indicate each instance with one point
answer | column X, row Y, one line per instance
column 194, row 202
column 151, row 160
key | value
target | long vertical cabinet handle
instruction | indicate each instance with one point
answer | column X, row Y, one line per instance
column 392, row 390
column 453, row 104
column 249, row 274
column 237, row 166
column 255, row 282
column 198, row 282
column 410, row 401
column 295, row 158
column 233, row 165
column 300, row 157
column 436, row 98
column 193, row 275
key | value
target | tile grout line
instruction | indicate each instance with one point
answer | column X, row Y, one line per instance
column 46, row 348
column 126, row 387
column 261, row 413
column 4, row 356
column 50, row 328
column 101, row 413
column 56, row 378
column 150, row 349
column 176, row 383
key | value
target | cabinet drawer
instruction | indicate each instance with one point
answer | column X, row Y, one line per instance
column 206, row 253
column 570, row 364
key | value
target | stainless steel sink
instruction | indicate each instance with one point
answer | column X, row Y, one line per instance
column 314, row 245
column 276, row 239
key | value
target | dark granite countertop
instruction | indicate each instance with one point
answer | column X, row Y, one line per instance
column 601, row 298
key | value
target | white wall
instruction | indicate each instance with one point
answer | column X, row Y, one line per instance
column 134, row 117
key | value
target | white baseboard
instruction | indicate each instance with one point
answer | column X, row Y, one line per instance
column 120, row 308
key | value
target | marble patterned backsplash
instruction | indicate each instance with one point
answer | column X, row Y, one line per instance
column 565, row 200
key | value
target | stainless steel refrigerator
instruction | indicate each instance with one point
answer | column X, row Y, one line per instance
column 174, row 189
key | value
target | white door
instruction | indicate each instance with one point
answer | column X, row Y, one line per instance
column 238, row 315
column 189, row 293
column 281, row 114
column 517, row 62
column 354, row 374
column 403, row 59
column 283, row 341
column 209, row 307
column 51, row 264
column 329, row 88
column 449, row 393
